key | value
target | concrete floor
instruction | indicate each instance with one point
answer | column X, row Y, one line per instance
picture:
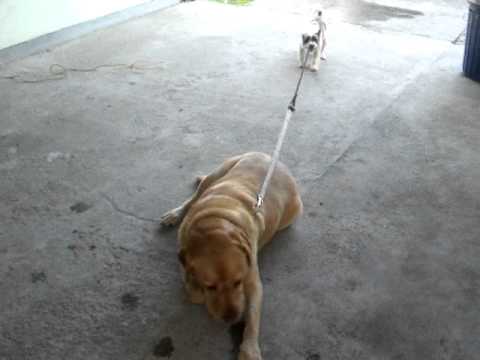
column 384, row 263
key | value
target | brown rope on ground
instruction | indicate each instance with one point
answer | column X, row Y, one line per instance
column 59, row 72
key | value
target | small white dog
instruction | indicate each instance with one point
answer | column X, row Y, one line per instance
column 314, row 45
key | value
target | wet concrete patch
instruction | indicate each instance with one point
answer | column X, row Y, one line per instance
column 38, row 276
column 80, row 207
column 164, row 348
column 365, row 11
column 130, row 301
column 72, row 247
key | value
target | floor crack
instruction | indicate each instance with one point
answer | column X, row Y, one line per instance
column 460, row 39
column 117, row 208
column 396, row 93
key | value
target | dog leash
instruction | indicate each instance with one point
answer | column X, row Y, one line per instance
column 281, row 138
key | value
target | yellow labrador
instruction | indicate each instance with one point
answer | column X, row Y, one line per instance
column 221, row 234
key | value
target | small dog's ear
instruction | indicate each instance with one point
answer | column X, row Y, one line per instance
column 305, row 38
column 182, row 257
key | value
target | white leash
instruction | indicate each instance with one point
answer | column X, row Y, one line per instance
column 281, row 138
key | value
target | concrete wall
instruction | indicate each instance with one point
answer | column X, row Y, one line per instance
column 22, row 20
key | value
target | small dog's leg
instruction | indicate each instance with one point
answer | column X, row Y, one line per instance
column 174, row 216
column 249, row 349
column 314, row 61
column 309, row 63
column 317, row 60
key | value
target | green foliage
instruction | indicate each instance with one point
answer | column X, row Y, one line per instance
column 234, row 2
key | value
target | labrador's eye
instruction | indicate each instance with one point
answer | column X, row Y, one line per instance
column 212, row 287
column 237, row 283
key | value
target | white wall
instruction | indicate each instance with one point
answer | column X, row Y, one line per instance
column 22, row 20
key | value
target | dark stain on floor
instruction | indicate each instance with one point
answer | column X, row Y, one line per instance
column 313, row 357
column 130, row 301
column 236, row 336
column 164, row 348
column 80, row 207
column 365, row 11
column 38, row 276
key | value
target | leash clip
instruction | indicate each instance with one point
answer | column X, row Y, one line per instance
column 259, row 203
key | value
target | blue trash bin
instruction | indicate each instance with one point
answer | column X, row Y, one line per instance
column 471, row 60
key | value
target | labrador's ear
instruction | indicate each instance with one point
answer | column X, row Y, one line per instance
column 182, row 257
column 247, row 253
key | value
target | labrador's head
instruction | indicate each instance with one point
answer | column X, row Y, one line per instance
column 219, row 266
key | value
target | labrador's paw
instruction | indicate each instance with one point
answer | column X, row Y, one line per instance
column 171, row 218
column 249, row 351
